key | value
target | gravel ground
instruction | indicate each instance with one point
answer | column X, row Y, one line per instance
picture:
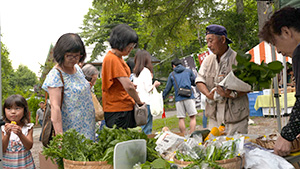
column 261, row 126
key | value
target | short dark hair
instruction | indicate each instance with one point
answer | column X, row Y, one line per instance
column 287, row 16
column 69, row 42
column 20, row 101
column 176, row 62
column 121, row 36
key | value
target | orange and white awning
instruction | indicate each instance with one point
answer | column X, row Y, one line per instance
column 263, row 51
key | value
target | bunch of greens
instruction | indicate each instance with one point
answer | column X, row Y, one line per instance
column 74, row 146
column 258, row 76
column 213, row 153
column 158, row 163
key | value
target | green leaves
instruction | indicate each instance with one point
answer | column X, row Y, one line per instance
column 74, row 146
column 258, row 76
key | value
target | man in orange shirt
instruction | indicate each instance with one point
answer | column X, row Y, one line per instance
column 119, row 94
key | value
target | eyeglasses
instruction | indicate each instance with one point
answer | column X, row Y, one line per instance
column 73, row 56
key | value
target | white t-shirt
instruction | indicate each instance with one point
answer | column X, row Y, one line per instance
column 144, row 85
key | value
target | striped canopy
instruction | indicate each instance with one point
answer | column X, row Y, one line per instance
column 262, row 52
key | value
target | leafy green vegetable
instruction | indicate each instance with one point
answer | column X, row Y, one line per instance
column 258, row 76
column 159, row 163
column 74, row 146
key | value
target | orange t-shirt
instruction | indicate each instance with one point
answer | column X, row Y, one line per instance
column 114, row 96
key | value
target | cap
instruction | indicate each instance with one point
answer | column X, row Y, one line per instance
column 42, row 102
column 217, row 30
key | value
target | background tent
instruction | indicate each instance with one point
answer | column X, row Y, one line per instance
column 263, row 51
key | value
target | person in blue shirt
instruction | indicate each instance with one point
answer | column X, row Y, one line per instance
column 184, row 104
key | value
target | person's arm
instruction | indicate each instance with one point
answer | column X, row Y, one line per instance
column 5, row 138
column 27, row 141
column 36, row 117
column 192, row 78
column 203, row 89
column 168, row 88
column 55, row 101
column 130, row 89
column 289, row 132
column 229, row 93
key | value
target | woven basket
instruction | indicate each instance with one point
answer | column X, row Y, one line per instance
column 269, row 144
column 237, row 162
column 181, row 163
column 69, row 164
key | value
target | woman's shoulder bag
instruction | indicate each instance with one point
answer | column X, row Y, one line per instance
column 47, row 128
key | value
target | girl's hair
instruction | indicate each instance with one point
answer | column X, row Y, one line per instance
column 17, row 100
column 142, row 59
column 69, row 42
column 121, row 36
column 89, row 70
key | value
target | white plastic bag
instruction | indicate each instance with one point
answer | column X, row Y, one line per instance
column 156, row 103
column 257, row 159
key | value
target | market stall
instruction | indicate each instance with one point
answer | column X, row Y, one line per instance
column 267, row 104
column 132, row 149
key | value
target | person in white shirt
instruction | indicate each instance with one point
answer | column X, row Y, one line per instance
column 143, row 74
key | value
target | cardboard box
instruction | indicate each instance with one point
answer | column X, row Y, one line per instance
column 46, row 164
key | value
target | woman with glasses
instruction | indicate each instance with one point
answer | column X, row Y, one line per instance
column 77, row 110
column 119, row 94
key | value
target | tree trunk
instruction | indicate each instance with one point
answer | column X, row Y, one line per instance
column 239, row 6
column 240, row 11
column 263, row 13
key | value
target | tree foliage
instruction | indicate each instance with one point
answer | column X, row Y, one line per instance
column 6, row 72
column 24, row 78
column 21, row 81
column 171, row 27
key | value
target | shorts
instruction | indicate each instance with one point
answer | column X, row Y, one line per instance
column 186, row 106
column 123, row 119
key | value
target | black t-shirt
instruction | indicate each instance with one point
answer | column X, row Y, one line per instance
column 292, row 128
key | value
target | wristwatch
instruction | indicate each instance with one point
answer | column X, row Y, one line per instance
column 233, row 94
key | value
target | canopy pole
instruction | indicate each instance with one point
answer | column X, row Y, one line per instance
column 276, row 95
column 285, row 114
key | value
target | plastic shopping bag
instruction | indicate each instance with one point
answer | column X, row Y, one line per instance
column 156, row 103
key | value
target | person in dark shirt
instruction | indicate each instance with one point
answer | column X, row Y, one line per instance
column 283, row 31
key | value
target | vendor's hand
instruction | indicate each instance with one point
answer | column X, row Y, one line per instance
column 222, row 92
column 211, row 94
column 282, row 146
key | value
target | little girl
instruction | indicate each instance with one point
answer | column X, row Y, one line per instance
column 17, row 134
